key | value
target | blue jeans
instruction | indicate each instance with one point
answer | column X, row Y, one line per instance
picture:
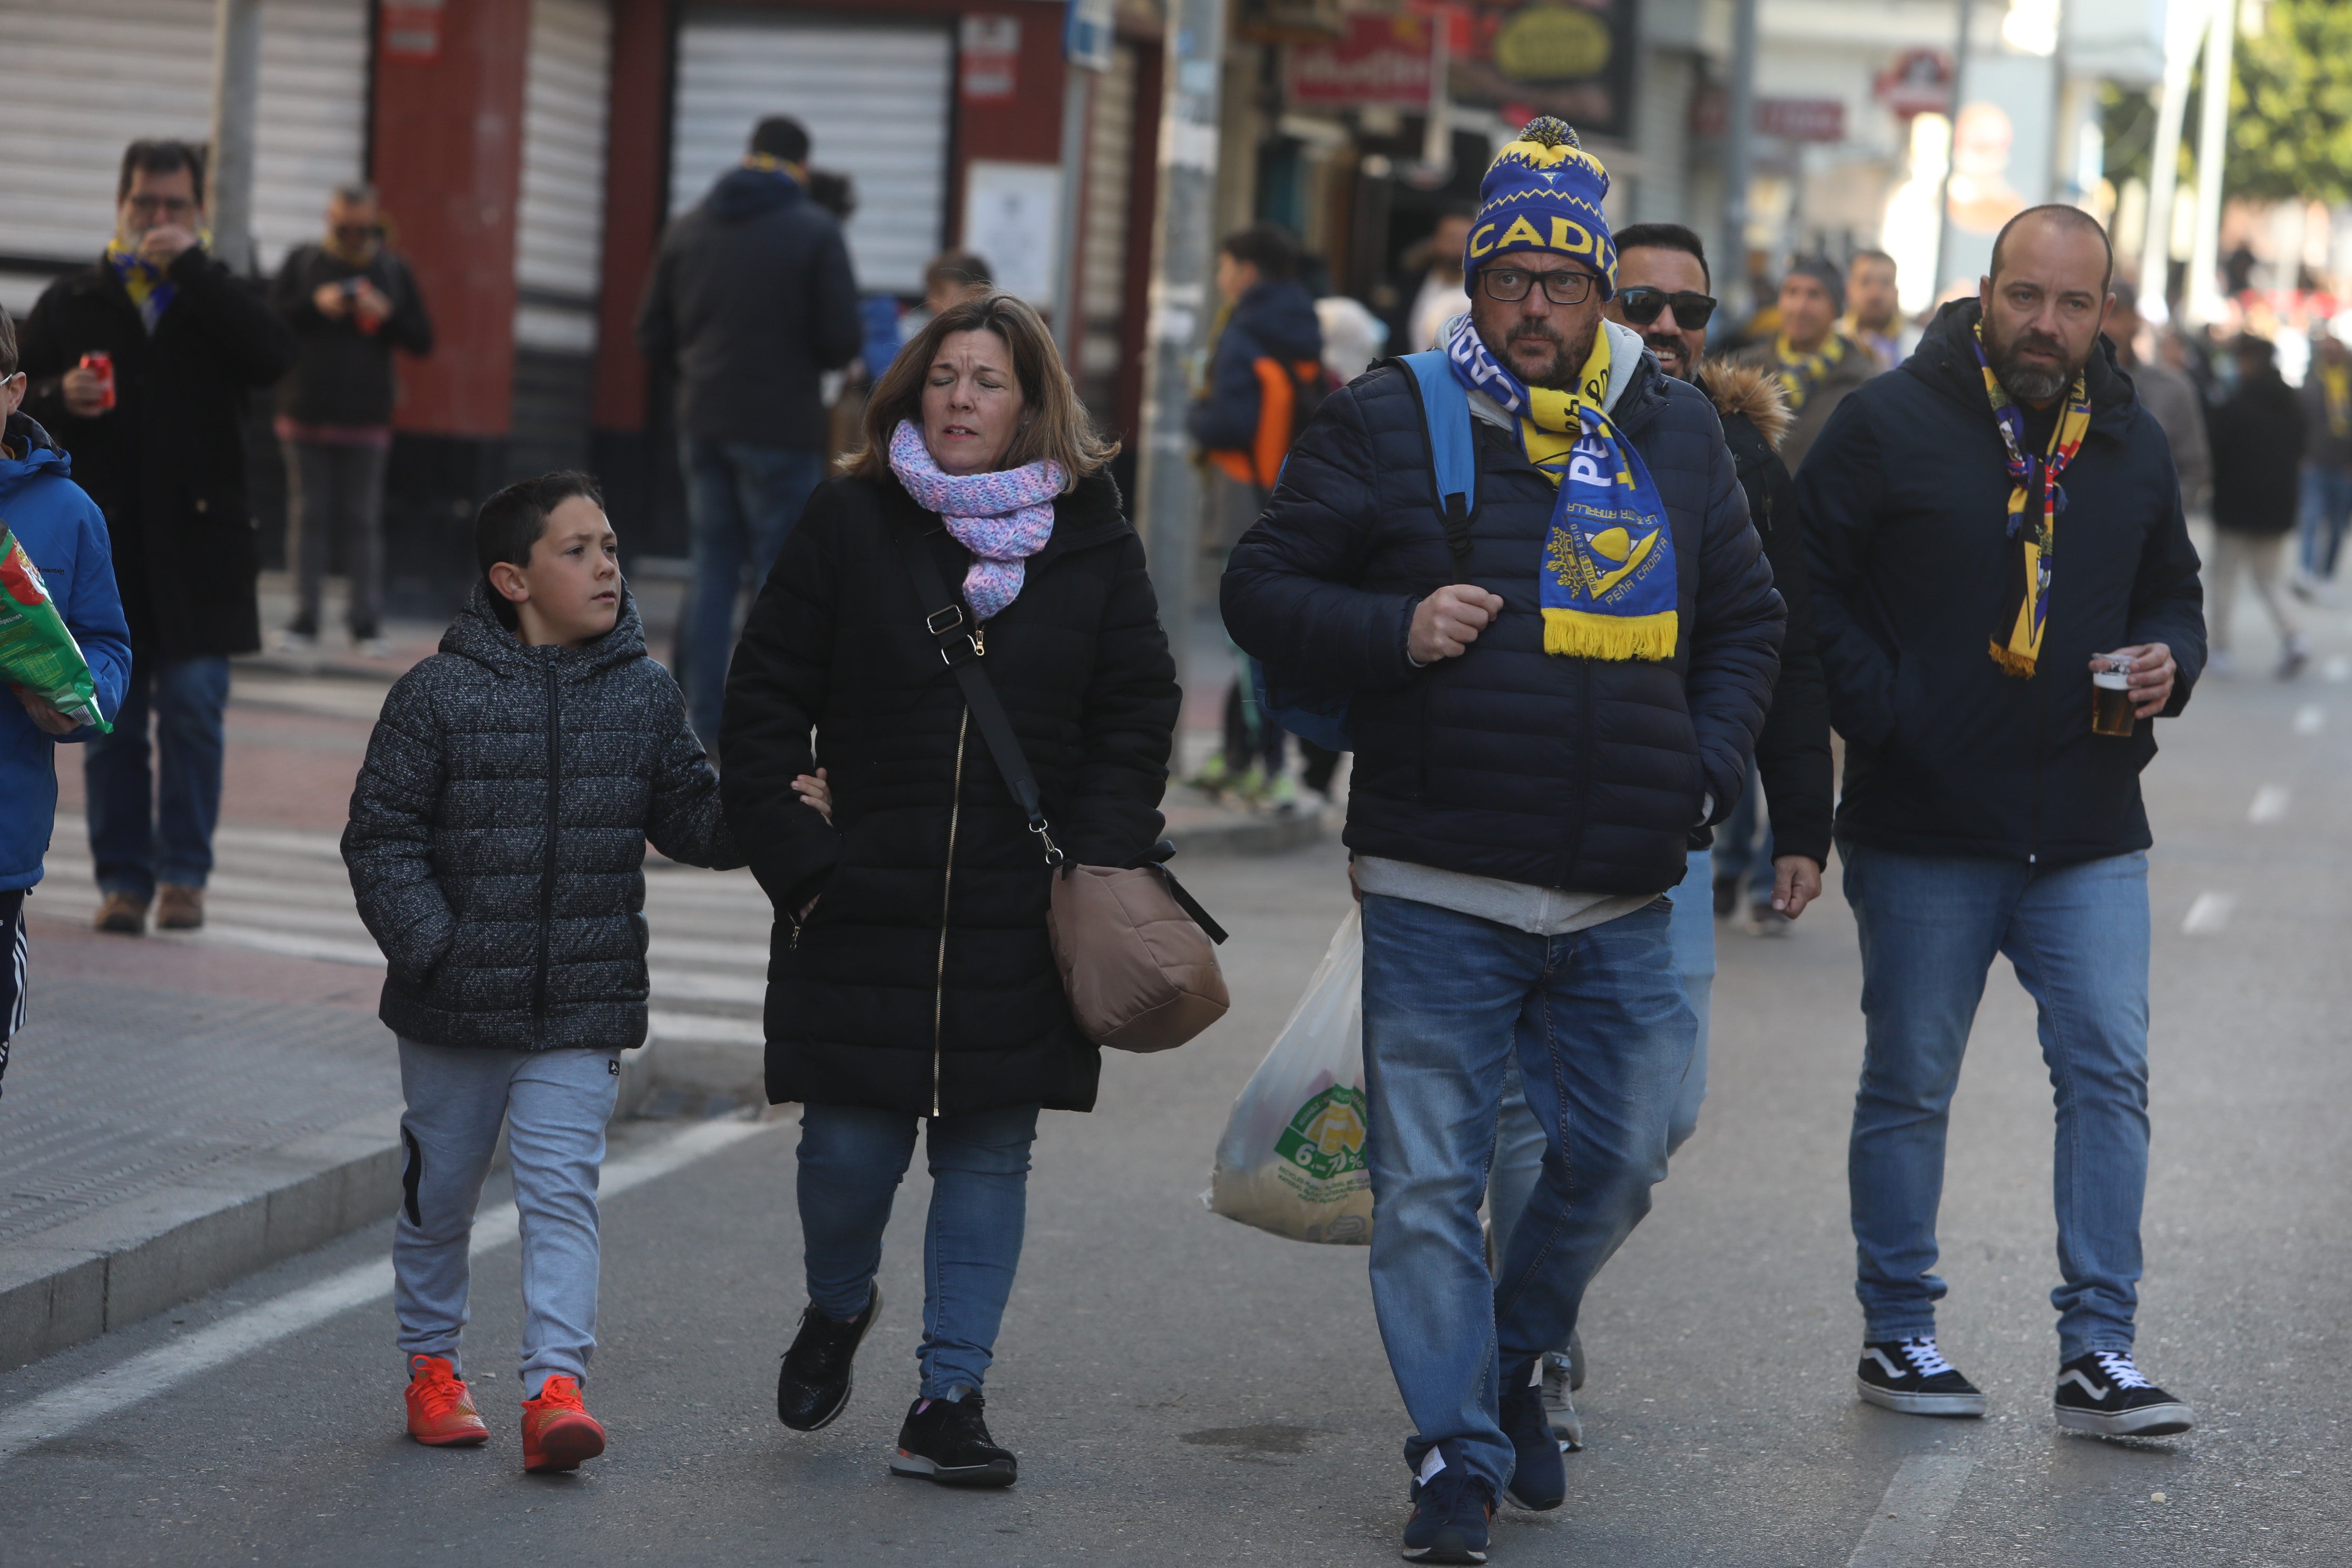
column 851, row 1159
column 741, row 499
column 1520, row 1144
column 140, row 834
column 1738, row 852
column 1596, row 1024
column 2078, row 937
column 2327, row 510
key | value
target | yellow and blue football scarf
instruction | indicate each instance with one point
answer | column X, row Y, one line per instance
column 1799, row 373
column 2336, row 388
column 1608, row 574
column 769, row 164
column 149, row 287
column 2026, row 594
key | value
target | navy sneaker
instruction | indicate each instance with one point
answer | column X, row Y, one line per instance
column 2104, row 1393
column 1539, row 1481
column 1450, row 1511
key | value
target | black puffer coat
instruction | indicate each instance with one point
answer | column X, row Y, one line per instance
column 1906, row 497
column 2259, row 438
column 498, row 835
column 1509, row 762
column 923, row 982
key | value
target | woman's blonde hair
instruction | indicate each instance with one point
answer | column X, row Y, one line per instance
column 1055, row 424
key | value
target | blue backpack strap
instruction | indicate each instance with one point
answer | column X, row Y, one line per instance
column 1454, row 459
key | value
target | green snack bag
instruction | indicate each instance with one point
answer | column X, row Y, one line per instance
column 36, row 652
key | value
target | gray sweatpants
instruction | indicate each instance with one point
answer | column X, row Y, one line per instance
column 336, row 489
column 555, row 1104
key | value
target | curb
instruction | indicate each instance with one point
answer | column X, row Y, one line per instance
column 74, row 1282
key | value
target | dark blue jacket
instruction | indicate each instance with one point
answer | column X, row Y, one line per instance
column 1275, row 320
column 1509, row 762
column 64, row 533
column 1904, row 495
column 752, row 300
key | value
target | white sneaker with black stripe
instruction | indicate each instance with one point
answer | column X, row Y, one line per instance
column 1912, row 1376
column 2104, row 1393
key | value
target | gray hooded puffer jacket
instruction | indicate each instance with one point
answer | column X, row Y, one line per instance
column 498, row 829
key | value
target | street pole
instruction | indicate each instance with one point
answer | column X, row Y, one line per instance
column 2184, row 29
column 1738, row 132
column 1078, row 84
column 1184, row 239
column 1952, row 145
column 237, row 84
column 2200, row 299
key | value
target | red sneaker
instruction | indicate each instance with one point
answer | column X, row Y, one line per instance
column 558, row 1433
column 440, row 1408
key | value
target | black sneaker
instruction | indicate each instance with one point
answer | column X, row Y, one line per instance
column 1727, row 896
column 1539, row 1480
column 2104, row 1393
column 1912, row 1376
column 1452, row 1512
column 945, row 1440
column 1560, row 1401
column 814, row 1386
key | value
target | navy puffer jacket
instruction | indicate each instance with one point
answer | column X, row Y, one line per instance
column 498, row 829
column 1509, row 762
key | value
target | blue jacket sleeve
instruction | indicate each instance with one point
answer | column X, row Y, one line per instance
column 1226, row 420
column 1839, row 488
column 1288, row 591
column 1735, row 646
column 93, row 613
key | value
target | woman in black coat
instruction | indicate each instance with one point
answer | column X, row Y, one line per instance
column 911, row 976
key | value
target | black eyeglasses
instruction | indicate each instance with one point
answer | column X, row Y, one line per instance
column 1569, row 286
column 1642, row 305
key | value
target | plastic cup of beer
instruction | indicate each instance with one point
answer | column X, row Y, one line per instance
column 2111, row 698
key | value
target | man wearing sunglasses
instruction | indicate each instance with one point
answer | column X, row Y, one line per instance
column 1550, row 686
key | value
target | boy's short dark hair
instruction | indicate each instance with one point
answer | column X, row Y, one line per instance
column 780, row 136
column 1666, row 236
column 9, row 363
column 1266, row 246
column 162, row 155
column 511, row 521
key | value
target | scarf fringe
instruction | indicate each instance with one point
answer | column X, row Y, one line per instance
column 1580, row 634
column 2011, row 662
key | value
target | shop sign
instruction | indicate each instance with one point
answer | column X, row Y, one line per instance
column 411, row 30
column 1918, row 82
column 988, row 57
column 1787, row 119
column 1569, row 58
column 1383, row 60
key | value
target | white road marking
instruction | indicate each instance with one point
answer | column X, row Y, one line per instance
column 2337, row 667
column 2207, row 913
column 1902, row 1533
column 706, row 1029
column 2309, row 718
column 2270, row 804
column 154, row 1372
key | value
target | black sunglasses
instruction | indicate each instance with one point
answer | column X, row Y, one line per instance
column 1692, row 309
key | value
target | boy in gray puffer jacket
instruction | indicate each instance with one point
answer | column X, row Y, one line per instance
column 497, row 844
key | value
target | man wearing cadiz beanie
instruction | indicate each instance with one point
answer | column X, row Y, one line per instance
column 1553, row 672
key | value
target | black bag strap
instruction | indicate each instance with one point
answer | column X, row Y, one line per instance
column 962, row 645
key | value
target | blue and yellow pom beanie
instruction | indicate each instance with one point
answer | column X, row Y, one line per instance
column 1543, row 192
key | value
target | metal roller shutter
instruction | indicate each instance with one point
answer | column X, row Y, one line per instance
column 874, row 96
column 1110, row 149
column 84, row 78
column 560, row 225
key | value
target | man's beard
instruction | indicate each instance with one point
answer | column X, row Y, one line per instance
column 1567, row 358
column 2031, row 382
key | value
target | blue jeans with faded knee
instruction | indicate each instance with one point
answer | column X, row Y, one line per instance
column 1596, row 1024
column 852, row 1159
column 2078, row 939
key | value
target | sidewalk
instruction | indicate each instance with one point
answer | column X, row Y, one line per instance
column 185, row 1107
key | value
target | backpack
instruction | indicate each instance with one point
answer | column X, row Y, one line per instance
column 1290, row 394
column 1320, row 714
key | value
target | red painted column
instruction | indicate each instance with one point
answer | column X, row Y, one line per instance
column 448, row 163
column 633, row 202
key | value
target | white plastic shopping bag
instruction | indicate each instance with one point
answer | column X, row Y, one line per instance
column 1292, row 1158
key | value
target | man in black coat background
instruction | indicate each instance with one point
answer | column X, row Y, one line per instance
column 2259, row 438
column 161, row 448
column 1981, row 814
column 752, row 300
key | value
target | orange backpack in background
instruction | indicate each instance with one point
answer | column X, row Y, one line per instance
column 1288, row 396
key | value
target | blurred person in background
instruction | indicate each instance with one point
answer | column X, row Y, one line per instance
column 1433, row 270
column 350, row 301
column 1874, row 312
column 1817, row 364
column 157, row 441
column 751, row 301
column 2258, row 448
column 2327, row 459
column 1265, row 380
column 2168, row 395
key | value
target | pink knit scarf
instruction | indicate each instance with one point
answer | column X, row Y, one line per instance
column 1003, row 517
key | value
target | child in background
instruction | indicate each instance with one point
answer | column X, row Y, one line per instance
column 64, row 535
column 497, row 844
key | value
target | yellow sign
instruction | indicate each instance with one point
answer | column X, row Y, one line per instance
column 1552, row 43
